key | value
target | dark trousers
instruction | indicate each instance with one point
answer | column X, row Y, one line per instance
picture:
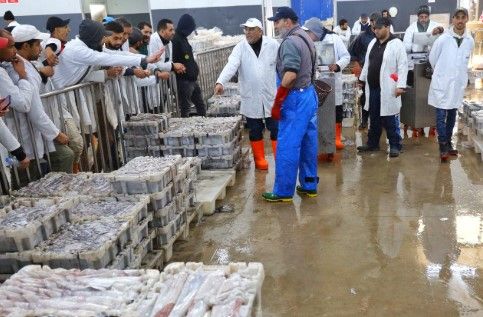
column 365, row 113
column 339, row 114
column 445, row 121
column 378, row 122
column 190, row 92
column 256, row 127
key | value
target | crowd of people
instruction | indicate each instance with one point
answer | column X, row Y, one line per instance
column 276, row 81
column 35, row 131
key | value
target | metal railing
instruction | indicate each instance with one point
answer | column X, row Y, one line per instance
column 211, row 63
column 99, row 111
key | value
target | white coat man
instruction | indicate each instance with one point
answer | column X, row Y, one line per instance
column 449, row 58
column 27, row 42
column 254, row 59
column 361, row 25
column 344, row 31
column 423, row 24
column 162, row 39
column 385, row 72
column 321, row 36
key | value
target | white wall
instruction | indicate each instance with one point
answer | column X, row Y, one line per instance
column 187, row 4
column 119, row 7
column 42, row 7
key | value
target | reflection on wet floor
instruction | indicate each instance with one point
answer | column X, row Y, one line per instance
column 385, row 237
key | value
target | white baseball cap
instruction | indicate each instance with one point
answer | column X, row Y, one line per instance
column 25, row 33
column 252, row 23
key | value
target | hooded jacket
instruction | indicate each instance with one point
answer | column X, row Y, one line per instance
column 182, row 50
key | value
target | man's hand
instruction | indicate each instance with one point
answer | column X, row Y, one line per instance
column 19, row 67
column 24, row 164
column 113, row 72
column 154, row 58
column 334, row 68
column 179, row 68
column 438, row 30
column 47, row 71
column 399, row 92
column 62, row 138
column 4, row 112
column 140, row 73
column 219, row 89
column 52, row 59
column 162, row 75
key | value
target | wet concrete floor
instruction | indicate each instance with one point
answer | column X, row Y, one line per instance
column 385, row 237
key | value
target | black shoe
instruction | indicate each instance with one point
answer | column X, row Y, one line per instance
column 443, row 152
column 451, row 150
column 306, row 192
column 393, row 152
column 367, row 148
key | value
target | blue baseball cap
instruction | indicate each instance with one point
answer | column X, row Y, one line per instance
column 284, row 13
column 108, row 19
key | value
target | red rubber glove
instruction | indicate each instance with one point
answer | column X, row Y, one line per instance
column 394, row 77
column 282, row 93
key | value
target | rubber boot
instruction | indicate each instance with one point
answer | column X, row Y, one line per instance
column 415, row 133
column 338, row 137
column 75, row 167
column 258, row 149
column 443, row 152
column 274, row 149
column 432, row 132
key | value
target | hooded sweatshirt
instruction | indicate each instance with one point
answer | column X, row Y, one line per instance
column 182, row 50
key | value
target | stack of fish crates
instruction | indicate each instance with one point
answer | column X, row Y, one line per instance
column 216, row 141
column 72, row 232
column 349, row 91
column 224, row 106
column 170, row 185
column 472, row 116
column 142, row 135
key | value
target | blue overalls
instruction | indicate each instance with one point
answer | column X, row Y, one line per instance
column 297, row 142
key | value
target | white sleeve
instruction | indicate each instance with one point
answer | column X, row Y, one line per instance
column 232, row 66
column 342, row 53
column 143, row 82
column 87, row 56
column 391, row 29
column 155, row 46
column 363, row 76
column 98, row 76
column 7, row 139
column 41, row 121
column 356, row 30
column 436, row 51
column 348, row 34
column 408, row 38
column 20, row 94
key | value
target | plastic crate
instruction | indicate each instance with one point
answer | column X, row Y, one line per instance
column 164, row 216
column 161, row 199
column 138, row 141
column 217, row 150
column 184, row 151
column 25, row 223
column 133, row 152
column 177, row 140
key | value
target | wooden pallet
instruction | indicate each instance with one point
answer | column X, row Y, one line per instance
column 211, row 186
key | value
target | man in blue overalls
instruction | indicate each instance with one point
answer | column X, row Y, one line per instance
column 295, row 106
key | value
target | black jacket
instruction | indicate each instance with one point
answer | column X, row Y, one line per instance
column 182, row 50
column 358, row 48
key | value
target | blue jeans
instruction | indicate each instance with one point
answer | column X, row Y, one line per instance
column 445, row 121
column 256, row 127
column 378, row 122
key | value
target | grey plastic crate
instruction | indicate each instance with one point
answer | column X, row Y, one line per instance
column 123, row 260
column 139, row 141
column 164, row 216
column 162, row 199
column 146, row 124
column 11, row 263
column 184, row 151
column 177, row 140
column 164, row 234
column 217, row 150
column 87, row 245
column 133, row 152
column 222, row 137
column 25, row 223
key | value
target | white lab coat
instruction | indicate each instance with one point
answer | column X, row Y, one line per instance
column 394, row 61
column 7, row 139
column 413, row 28
column 356, row 29
column 345, row 35
column 42, row 126
column 450, row 70
column 166, row 60
column 342, row 57
column 256, row 77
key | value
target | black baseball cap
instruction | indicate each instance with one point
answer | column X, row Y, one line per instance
column 56, row 22
column 382, row 22
column 460, row 10
column 284, row 13
column 424, row 9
